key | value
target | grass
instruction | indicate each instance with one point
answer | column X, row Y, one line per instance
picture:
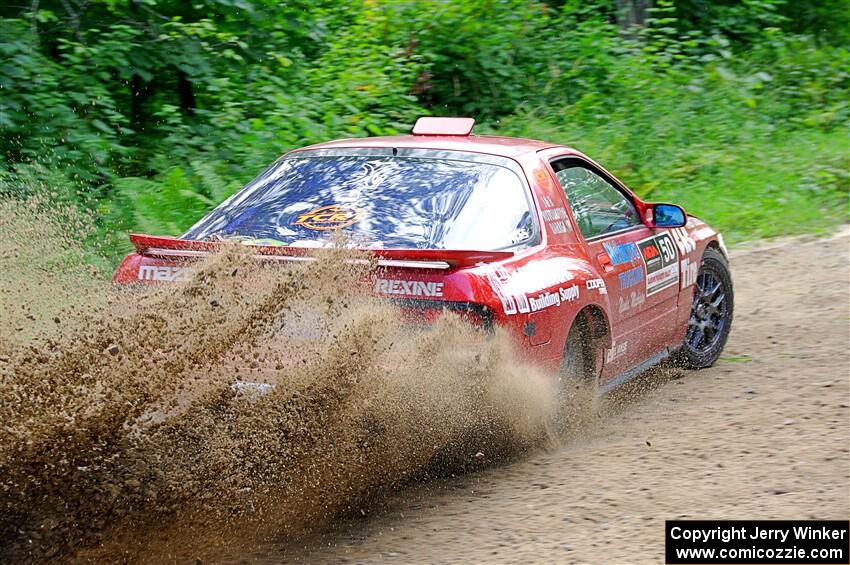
column 796, row 184
column 737, row 359
column 764, row 184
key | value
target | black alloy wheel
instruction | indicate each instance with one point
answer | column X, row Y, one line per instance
column 711, row 313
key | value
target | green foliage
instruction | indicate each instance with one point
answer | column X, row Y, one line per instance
column 152, row 111
column 174, row 201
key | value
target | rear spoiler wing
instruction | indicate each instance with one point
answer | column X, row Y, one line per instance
column 164, row 246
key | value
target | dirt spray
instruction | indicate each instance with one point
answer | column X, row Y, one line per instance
column 253, row 400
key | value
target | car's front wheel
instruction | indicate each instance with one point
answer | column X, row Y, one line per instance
column 711, row 313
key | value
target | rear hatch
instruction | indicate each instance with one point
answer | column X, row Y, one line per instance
column 417, row 211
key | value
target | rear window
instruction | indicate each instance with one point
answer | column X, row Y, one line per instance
column 381, row 202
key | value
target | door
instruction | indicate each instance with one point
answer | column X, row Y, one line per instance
column 639, row 268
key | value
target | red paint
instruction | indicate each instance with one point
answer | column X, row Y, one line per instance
column 503, row 283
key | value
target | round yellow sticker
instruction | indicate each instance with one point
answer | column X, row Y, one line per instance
column 331, row 217
column 543, row 178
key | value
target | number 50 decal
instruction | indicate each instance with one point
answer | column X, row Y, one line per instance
column 668, row 251
column 662, row 262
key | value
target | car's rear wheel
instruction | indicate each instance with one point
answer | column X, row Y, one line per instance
column 577, row 382
column 711, row 313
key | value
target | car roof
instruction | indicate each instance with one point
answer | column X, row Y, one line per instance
column 493, row 145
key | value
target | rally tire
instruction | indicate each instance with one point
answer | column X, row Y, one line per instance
column 577, row 383
column 711, row 313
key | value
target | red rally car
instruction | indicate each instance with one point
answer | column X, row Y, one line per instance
column 593, row 282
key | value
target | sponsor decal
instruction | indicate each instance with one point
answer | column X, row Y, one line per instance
column 598, row 284
column 514, row 288
column 617, row 350
column 408, row 288
column 662, row 262
column 569, row 294
column 651, row 252
column 634, row 300
column 684, row 241
column 543, row 178
column 631, row 277
column 163, row 273
column 512, row 304
column 555, row 217
column 331, row 217
column 547, row 299
column 560, row 227
column 554, row 214
column 544, row 300
column 622, row 253
column 689, row 272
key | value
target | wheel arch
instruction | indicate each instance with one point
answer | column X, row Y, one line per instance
column 595, row 327
column 715, row 244
column 595, row 320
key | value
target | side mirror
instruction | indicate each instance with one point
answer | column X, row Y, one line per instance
column 668, row 216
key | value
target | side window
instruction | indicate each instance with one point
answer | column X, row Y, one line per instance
column 598, row 207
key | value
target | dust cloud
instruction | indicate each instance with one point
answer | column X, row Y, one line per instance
column 255, row 400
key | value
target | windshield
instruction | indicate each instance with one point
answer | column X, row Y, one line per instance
column 380, row 201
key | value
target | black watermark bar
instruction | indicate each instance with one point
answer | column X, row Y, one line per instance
column 757, row 542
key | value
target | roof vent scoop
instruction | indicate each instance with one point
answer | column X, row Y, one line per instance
column 443, row 126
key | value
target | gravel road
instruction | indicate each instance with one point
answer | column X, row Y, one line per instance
column 763, row 434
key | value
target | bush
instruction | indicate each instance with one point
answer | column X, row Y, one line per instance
column 153, row 112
